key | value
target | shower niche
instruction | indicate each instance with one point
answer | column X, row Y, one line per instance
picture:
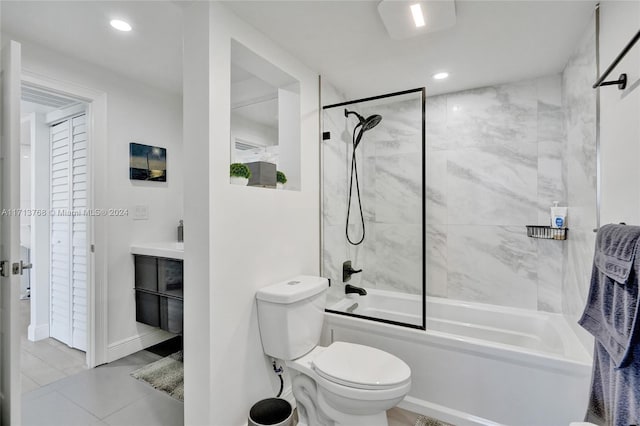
column 373, row 207
column 265, row 119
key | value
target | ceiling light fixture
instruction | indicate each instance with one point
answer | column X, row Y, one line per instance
column 120, row 25
column 440, row 76
column 412, row 18
column 418, row 17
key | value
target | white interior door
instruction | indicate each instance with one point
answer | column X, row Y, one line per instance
column 79, row 233
column 10, row 236
column 68, row 313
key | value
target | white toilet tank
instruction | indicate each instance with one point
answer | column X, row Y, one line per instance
column 290, row 316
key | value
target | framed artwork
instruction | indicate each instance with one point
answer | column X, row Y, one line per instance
column 147, row 162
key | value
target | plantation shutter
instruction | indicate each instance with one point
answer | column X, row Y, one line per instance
column 68, row 313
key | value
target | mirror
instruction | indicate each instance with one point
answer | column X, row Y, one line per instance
column 265, row 122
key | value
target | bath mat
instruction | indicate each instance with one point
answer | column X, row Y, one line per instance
column 428, row 421
column 166, row 374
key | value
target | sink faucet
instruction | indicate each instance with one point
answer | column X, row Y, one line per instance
column 353, row 289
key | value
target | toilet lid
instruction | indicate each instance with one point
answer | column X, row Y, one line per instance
column 361, row 366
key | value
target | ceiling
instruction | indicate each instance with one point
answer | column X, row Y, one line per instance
column 491, row 42
column 344, row 41
column 151, row 52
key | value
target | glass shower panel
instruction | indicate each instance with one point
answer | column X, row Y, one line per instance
column 373, row 188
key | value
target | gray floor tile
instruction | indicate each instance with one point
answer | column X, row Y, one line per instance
column 27, row 385
column 135, row 361
column 399, row 417
column 53, row 409
column 61, row 356
column 48, row 360
column 41, row 391
column 38, row 370
column 157, row 409
column 104, row 390
column 74, row 370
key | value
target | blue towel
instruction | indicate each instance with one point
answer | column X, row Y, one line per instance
column 611, row 316
column 616, row 248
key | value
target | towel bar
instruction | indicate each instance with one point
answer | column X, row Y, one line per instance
column 621, row 82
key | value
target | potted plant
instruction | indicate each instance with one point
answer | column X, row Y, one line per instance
column 281, row 179
column 239, row 173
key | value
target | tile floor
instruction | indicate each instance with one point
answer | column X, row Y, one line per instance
column 106, row 395
column 47, row 360
column 58, row 390
column 399, row 417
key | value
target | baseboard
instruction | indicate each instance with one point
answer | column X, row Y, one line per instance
column 445, row 414
column 38, row 332
column 137, row 343
column 429, row 409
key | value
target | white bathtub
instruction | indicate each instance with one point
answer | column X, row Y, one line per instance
column 475, row 364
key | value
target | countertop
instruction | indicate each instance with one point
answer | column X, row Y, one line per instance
column 171, row 250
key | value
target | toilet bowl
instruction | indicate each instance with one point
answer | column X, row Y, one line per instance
column 348, row 384
column 343, row 384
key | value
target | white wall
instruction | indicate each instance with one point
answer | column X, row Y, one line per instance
column 197, row 96
column 25, row 200
column 619, row 146
column 619, row 112
column 255, row 237
column 40, row 254
column 135, row 113
column 25, row 171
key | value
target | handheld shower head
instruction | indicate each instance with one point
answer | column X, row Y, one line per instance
column 371, row 122
column 365, row 123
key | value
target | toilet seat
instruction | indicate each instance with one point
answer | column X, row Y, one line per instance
column 361, row 367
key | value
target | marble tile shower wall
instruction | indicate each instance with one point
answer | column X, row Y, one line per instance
column 494, row 165
column 390, row 169
column 579, row 101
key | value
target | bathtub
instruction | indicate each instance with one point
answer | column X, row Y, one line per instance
column 476, row 364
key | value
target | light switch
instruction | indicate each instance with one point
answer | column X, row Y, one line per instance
column 141, row 212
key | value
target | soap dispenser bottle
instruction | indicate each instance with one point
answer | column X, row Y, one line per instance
column 180, row 232
column 558, row 216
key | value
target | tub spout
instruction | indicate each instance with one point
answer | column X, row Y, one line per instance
column 353, row 289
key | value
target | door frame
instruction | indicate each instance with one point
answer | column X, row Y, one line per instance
column 97, row 236
column 10, row 127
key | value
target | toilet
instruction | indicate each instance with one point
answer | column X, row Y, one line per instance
column 338, row 385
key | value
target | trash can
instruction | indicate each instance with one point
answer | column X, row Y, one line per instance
column 271, row 412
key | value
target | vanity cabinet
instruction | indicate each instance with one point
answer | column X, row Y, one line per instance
column 159, row 297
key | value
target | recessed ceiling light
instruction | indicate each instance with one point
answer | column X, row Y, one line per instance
column 120, row 25
column 440, row 76
column 418, row 17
